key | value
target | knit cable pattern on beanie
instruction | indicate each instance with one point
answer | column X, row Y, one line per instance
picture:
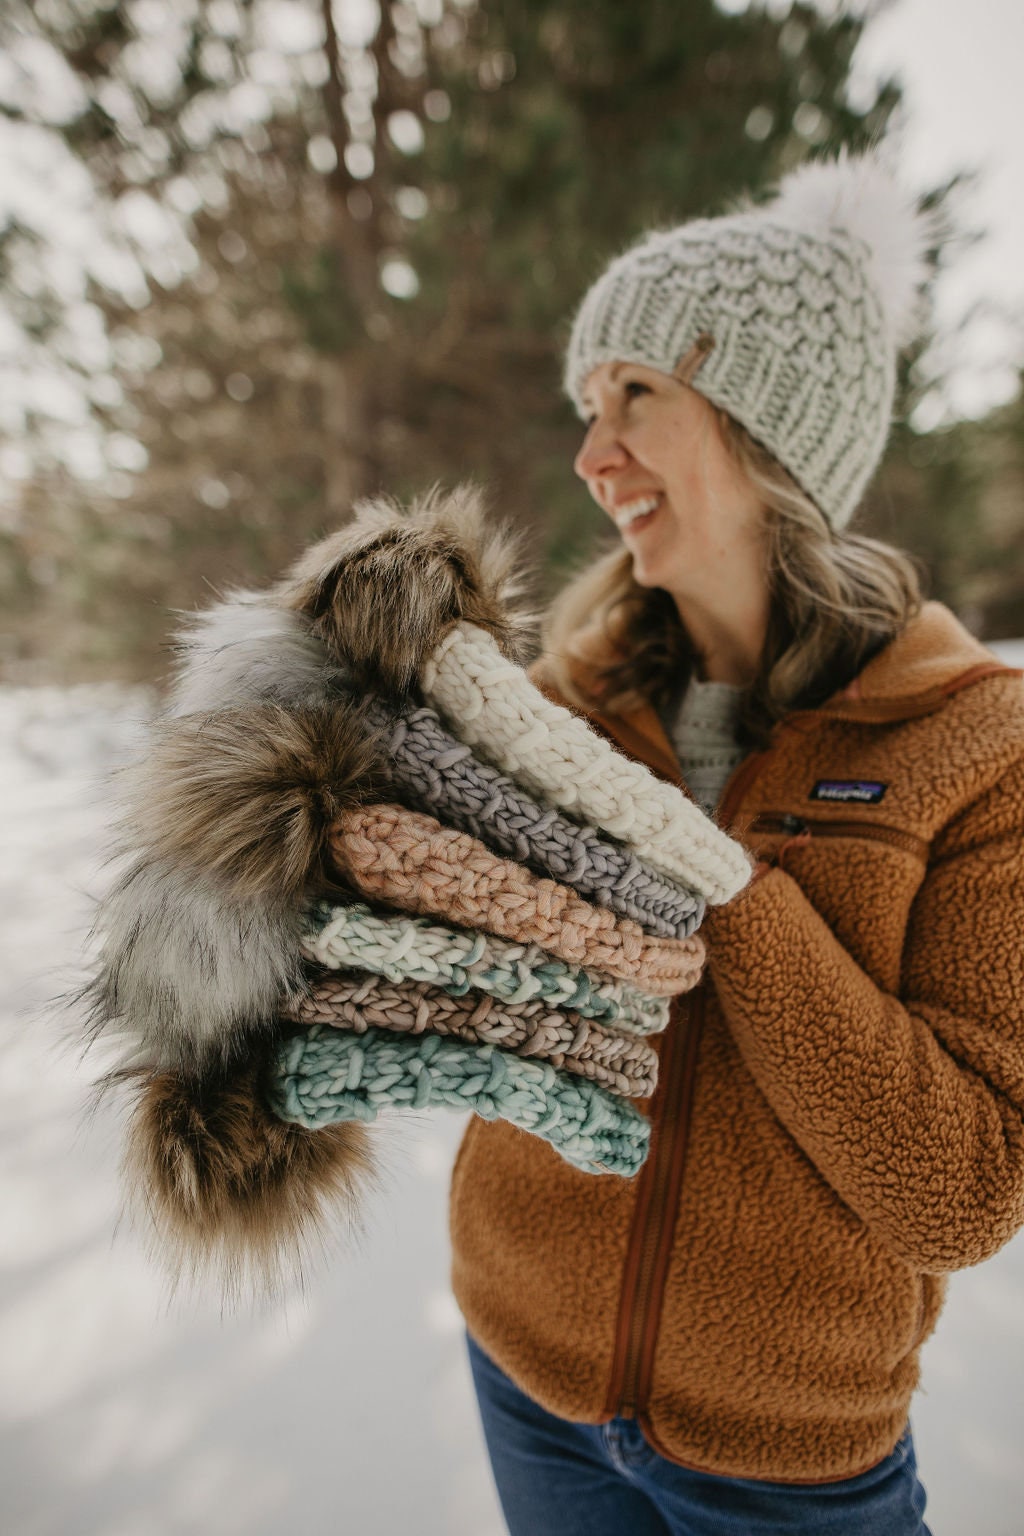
column 410, row 861
column 801, row 357
column 623, row 1064
column 495, row 708
column 323, row 1076
column 799, row 306
column 415, row 949
column 443, row 776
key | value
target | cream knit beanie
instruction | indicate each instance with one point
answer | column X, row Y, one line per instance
column 806, row 301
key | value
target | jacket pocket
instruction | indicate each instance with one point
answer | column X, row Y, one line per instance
column 795, row 830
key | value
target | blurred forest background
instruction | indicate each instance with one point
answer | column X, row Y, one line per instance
column 334, row 250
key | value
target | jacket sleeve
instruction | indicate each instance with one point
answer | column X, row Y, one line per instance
column 910, row 1106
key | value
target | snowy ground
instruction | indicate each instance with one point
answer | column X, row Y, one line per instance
column 349, row 1410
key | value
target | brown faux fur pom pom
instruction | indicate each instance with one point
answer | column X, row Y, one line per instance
column 229, row 1191
column 248, row 795
column 382, row 592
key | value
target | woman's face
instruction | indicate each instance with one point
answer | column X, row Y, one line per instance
column 654, row 460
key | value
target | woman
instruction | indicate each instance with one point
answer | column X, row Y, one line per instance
column 729, row 1342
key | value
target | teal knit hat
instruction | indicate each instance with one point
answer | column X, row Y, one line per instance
column 803, row 304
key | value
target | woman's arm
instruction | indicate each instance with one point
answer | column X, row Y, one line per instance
column 911, row 1106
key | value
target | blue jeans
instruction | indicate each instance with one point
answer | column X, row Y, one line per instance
column 557, row 1478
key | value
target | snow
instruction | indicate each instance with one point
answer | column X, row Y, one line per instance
column 350, row 1408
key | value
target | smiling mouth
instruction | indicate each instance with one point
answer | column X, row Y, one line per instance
column 633, row 515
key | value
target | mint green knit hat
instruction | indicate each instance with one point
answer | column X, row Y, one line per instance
column 806, row 301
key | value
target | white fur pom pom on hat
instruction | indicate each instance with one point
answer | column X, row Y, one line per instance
column 858, row 196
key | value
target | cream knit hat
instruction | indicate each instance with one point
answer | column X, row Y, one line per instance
column 806, row 300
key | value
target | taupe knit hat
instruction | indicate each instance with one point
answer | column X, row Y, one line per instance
column 807, row 301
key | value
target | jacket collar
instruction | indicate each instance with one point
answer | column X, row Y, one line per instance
column 932, row 658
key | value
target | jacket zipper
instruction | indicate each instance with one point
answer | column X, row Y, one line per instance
column 644, row 1277
column 808, row 826
column 660, row 1183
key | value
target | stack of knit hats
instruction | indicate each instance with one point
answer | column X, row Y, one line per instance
column 372, row 865
column 526, row 889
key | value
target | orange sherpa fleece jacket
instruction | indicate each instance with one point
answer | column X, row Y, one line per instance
column 840, row 1114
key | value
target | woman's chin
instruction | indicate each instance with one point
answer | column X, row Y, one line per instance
column 645, row 572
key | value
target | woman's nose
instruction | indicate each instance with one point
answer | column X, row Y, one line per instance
column 600, row 452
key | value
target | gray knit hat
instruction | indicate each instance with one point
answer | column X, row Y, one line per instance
column 806, row 300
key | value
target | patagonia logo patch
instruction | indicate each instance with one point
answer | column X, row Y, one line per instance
column 863, row 791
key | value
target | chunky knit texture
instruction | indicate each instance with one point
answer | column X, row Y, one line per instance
column 323, row 1076
column 442, row 775
column 415, row 949
column 412, row 862
column 794, row 299
column 495, row 708
column 623, row 1064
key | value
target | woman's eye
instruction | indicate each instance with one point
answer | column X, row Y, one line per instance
column 634, row 387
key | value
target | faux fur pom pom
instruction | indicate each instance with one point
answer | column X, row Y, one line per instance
column 230, row 1194
column 248, row 795
column 859, row 195
column 382, row 591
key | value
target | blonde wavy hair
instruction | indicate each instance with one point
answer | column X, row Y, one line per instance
column 836, row 599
